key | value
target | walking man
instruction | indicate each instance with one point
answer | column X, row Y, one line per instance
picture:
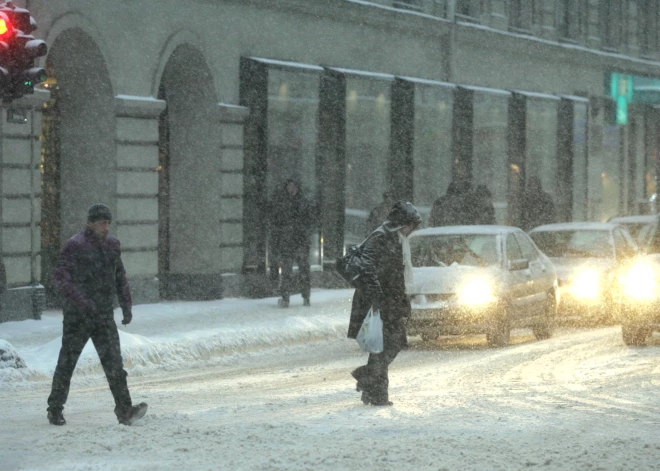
column 291, row 223
column 90, row 274
column 383, row 286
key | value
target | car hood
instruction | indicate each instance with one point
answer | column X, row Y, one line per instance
column 446, row 280
column 567, row 268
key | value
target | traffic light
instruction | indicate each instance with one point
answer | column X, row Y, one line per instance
column 18, row 51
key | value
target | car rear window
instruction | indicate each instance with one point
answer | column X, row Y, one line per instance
column 574, row 244
column 445, row 250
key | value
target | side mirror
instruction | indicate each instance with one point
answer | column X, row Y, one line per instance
column 520, row 264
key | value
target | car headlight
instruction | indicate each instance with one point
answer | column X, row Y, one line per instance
column 475, row 292
column 585, row 285
column 639, row 282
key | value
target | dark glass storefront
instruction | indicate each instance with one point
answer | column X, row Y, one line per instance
column 351, row 135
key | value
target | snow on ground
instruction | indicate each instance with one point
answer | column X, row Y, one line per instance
column 579, row 401
column 174, row 335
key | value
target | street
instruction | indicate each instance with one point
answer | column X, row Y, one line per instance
column 581, row 400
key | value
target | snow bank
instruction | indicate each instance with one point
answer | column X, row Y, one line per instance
column 173, row 336
column 12, row 366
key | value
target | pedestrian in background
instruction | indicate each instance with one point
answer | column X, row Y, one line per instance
column 378, row 215
column 454, row 208
column 383, row 285
column 292, row 220
column 90, row 273
column 483, row 209
column 537, row 207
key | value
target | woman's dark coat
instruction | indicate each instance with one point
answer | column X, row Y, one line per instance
column 381, row 283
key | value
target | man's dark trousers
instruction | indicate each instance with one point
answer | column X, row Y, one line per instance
column 300, row 256
column 103, row 332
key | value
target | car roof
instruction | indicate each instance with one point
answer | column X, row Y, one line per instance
column 576, row 226
column 649, row 218
column 464, row 230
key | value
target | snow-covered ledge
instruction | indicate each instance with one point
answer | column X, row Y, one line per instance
column 232, row 113
column 139, row 106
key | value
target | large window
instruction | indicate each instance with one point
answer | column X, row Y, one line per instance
column 522, row 13
column 580, row 161
column 541, row 143
column 490, row 162
column 367, row 149
column 648, row 12
column 468, row 8
column 569, row 18
column 432, row 157
column 292, row 135
column 606, row 175
column 611, row 20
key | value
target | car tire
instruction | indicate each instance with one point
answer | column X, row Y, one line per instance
column 543, row 330
column 634, row 335
column 500, row 333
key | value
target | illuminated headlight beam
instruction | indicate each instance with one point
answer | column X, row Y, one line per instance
column 475, row 292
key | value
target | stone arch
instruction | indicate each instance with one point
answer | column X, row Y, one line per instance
column 179, row 38
column 189, row 196
column 81, row 138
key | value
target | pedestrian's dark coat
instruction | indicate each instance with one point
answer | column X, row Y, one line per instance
column 291, row 220
column 537, row 209
column 382, row 281
column 90, row 273
column 483, row 209
column 454, row 208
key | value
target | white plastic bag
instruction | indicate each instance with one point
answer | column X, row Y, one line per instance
column 370, row 336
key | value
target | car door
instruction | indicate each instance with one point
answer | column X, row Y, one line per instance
column 541, row 275
column 519, row 280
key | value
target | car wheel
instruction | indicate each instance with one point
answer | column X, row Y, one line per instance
column 430, row 336
column 543, row 330
column 499, row 334
column 634, row 335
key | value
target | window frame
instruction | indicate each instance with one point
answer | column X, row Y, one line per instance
column 523, row 239
column 648, row 37
column 511, row 235
column 611, row 31
column 569, row 30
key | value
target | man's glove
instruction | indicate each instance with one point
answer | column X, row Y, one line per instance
column 128, row 317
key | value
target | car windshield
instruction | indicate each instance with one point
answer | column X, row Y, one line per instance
column 577, row 244
column 635, row 228
column 644, row 235
column 445, row 250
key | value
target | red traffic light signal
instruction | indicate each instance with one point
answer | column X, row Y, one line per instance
column 18, row 51
column 6, row 27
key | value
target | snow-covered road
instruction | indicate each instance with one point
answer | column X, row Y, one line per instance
column 581, row 400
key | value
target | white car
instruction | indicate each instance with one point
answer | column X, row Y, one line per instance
column 480, row 279
column 591, row 258
column 638, row 226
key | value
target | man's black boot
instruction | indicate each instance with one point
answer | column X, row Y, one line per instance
column 134, row 413
column 55, row 416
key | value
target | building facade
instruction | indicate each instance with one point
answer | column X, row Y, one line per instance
column 184, row 117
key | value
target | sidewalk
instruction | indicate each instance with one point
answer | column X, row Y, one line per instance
column 170, row 335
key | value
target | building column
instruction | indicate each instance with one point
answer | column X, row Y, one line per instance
column 231, row 122
column 20, row 211
column 136, row 221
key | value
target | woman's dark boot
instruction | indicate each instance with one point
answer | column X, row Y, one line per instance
column 55, row 416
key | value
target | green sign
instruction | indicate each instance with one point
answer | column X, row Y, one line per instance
column 621, row 91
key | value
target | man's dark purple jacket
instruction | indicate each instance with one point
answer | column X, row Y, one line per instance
column 90, row 274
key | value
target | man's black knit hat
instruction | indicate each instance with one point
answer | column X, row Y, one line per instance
column 99, row 212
